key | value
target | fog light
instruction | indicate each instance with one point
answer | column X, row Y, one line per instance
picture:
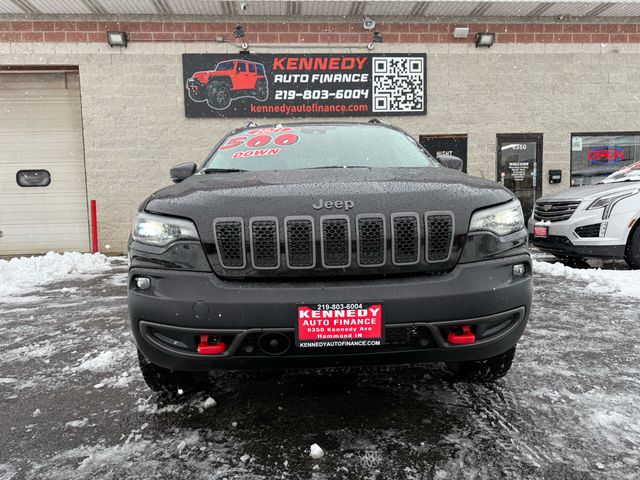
column 603, row 229
column 143, row 283
column 519, row 269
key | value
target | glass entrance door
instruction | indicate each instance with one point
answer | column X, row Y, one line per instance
column 520, row 168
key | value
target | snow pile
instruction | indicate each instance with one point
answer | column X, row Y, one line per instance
column 316, row 451
column 624, row 282
column 103, row 362
column 23, row 274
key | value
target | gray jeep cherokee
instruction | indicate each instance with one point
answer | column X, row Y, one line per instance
column 311, row 245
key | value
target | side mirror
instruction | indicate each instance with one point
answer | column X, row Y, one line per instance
column 182, row 171
column 450, row 161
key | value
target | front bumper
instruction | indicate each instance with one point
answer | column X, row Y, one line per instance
column 194, row 85
column 564, row 237
column 167, row 318
column 563, row 247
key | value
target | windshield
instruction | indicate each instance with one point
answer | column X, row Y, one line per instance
column 626, row 174
column 318, row 146
column 222, row 66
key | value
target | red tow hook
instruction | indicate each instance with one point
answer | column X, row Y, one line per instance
column 206, row 348
column 464, row 338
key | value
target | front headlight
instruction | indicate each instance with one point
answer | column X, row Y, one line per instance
column 609, row 201
column 501, row 220
column 161, row 231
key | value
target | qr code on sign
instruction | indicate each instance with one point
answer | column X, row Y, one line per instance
column 398, row 84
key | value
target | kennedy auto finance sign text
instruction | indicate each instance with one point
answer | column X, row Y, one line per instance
column 270, row 85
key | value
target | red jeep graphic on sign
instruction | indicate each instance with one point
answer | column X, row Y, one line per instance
column 229, row 80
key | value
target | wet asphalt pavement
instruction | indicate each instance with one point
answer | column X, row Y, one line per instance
column 73, row 405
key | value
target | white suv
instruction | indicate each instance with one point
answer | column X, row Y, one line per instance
column 595, row 221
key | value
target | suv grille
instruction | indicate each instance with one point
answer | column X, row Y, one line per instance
column 300, row 246
column 264, row 243
column 370, row 240
column 230, row 242
column 440, row 236
column 405, row 238
column 336, row 242
column 555, row 211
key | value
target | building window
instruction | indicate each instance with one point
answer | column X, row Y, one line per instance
column 33, row 178
column 594, row 156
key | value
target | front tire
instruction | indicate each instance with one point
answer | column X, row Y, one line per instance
column 167, row 381
column 218, row 95
column 483, row 371
column 632, row 252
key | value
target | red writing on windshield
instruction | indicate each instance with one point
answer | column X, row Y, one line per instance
column 257, row 141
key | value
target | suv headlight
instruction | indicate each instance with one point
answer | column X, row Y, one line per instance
column 161, row 231
column 501, row 220
column 609, row 201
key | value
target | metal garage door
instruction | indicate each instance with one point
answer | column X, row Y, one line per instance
column 43, row 199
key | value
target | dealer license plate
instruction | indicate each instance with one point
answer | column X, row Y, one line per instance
column 340, row 325
column 540, row 231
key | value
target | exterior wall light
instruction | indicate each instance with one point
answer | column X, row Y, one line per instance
column 368, row 24
column 485, row 39
column 238, row 33
column 377, row 38
column 461, row 32
column 117, row 39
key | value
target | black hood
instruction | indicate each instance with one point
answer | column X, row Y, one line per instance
column 280, row 193
column 203, row 198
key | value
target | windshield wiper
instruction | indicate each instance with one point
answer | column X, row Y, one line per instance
column 223, row 170
column 336, row 166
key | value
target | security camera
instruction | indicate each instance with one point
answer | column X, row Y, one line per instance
column 243, row 6
column 368, row 24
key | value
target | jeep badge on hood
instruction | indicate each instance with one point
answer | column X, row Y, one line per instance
column 346, row 204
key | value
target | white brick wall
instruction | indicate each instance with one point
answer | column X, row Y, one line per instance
column 135, row 128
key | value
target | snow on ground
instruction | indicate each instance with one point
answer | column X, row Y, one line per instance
column 567, row 410
column 624, row 282
column 23, row 274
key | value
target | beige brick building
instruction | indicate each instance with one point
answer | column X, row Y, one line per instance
column 547, row 77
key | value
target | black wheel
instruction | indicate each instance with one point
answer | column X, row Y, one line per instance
column 163, row 380
column 574, row 262
column 632, row 252
column 218, row 95
column 488, row 370
column 262, row 90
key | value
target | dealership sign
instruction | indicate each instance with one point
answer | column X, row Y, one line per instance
column 305, row 85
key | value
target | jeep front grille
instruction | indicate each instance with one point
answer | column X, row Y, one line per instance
column 439, row 236
column 300, row 244
column 230, row 242
column 405, row 238
column 264, row 243
column 554, row 211
column 336, row 242
column 371, row 241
